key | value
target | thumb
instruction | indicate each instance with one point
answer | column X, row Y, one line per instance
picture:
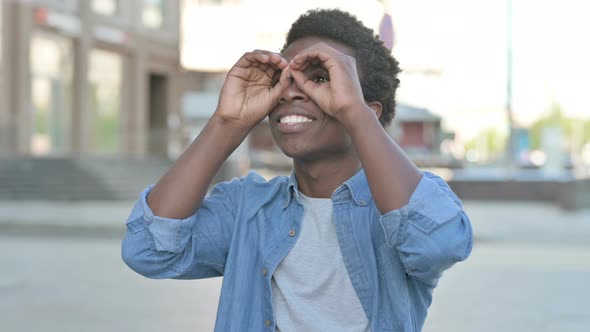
column 282, row 84
column 306, row 85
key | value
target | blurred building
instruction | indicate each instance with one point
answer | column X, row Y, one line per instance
column 90, row 78
column 419, row 133
column 417, row 128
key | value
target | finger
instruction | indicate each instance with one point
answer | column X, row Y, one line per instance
column 315, row 54
column 278, row 60
column 270, row 57
column 301, row 67
column 303, row 82
column 310, row 54
column 284, row 80
column 264, row 67
column 256, row 57
column 282, row 84
column 273, row 71
column 251, row 59
column 261, row 57
column 306, row 58
column 276, row 64
column 245, row 61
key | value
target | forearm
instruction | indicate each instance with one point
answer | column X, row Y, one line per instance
column 391, row 175
column 179, row 193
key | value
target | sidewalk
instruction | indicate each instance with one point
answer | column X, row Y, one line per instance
column 492, row 221
column 88, row 217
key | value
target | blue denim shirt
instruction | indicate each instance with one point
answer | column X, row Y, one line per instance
column 246, row 226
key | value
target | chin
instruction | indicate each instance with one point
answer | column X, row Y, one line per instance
column 298, row 151
column 294, row 153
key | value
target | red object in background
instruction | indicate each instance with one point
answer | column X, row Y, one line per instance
column 41, row 15
column 413, row 135
column 386, row 30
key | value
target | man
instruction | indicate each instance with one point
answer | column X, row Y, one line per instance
column 354, row 240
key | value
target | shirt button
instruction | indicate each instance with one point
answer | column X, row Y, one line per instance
column 264, row 272
column 267, row 322
column 292, row 233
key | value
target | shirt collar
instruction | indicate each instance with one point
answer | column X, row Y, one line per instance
column 292, row 190
column 358, row 188
column 355, row 187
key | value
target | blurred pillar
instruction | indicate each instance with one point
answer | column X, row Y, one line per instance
column 136, row 88
column 139, row 96
column 5, row 125
column 80, row 111
column 511, row 146
column 18, row 26
column 127, row 127
column 174, row 116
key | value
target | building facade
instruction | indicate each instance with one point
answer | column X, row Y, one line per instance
column 91, row 77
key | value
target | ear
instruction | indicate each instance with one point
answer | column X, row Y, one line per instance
column 377, row 107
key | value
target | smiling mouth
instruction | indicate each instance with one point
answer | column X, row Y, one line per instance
column 294, row 119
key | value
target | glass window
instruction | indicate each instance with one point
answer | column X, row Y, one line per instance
column 152, row 14
column 51, row 58
column 106, row 7
column 105, row 101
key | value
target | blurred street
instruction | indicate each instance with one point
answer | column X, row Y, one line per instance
column 528, row 272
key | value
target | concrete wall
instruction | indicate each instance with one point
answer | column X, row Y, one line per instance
column 569, row 195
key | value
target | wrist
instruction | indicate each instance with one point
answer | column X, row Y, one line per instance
column 356, row 116
column 230, row 125
column 229, row 132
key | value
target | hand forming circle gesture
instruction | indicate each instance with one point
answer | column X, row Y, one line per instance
column 339, row 90
column 248, row 94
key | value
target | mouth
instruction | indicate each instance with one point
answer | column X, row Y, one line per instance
column 294, row 119
column 293, row 123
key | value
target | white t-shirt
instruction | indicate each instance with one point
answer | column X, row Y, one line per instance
column 311, row 289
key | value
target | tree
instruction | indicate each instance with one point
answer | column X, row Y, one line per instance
column 568, row 126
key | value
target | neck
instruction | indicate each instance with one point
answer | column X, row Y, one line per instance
column 319, row 179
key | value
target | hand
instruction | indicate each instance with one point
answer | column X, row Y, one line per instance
column 248, row 94
column 329, row 77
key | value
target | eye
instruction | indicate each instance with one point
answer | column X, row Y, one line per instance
column 320, row 79
column 317, row 74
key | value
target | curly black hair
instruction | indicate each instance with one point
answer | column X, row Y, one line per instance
column 378, row 68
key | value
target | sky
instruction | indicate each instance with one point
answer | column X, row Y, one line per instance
column 465, row 44
column 453, row 53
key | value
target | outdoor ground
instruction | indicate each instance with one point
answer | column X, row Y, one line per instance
column 529, row 271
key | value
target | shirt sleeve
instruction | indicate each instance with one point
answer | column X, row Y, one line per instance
column 191, row 248
column 430, row 233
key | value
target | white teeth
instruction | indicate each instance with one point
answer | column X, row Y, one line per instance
column 294, row 119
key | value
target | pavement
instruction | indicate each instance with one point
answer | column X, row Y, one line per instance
column 71, row 217
column 492, row 221
column 62, row 271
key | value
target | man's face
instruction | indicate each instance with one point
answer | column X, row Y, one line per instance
column 300, row 128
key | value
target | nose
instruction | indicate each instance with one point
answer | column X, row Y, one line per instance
column 292, row 93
